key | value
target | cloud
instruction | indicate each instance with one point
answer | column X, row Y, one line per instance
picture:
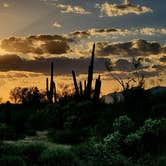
column 5, row 5
column 63, row 65
column 72, row 9
column 123, row 65
column 55, row 47
column 112, row 10
column 163, row 59
column 132, row 48
column 151, row 31
column 57, row 25
column 117, row 32
column 37, row 44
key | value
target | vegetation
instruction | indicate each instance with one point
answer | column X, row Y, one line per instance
column 81, row 129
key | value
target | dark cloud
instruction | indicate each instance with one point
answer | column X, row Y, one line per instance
column 39, row 44
column 132, row 48
column 163, row 59
column 55, row 47
column 123, row 65
column 94, row 32
column 46, row 37
column 63, row 65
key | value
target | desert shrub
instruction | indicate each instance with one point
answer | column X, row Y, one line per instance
column 161, row 160
column 31, row 152
column 9, row 149
column 67, row 136
column 113, row 142
column 150, row 138
column 49, row 115
column 123, row 124
column 93, row 153
column 7, row 133
column 11, row 161
column 58, row 157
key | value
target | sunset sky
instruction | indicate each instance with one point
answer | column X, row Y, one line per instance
column 35, row 32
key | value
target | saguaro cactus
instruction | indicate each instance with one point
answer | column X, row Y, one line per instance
column 85, row 87
column 81, row 89
column 75, row 83
column 51, row 92
column 97, row 88
column 90, row 74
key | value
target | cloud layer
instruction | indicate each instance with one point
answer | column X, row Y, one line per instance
column 112, row 10
column 39, row 44
column 72, row 9
column 131, row 49
column 146, row 31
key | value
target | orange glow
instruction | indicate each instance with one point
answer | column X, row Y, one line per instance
column 12, row 79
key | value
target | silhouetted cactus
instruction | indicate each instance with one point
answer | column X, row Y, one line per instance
column 97, row 89
column 81, row 89
column 87, row 91
column 51, row 93
column 75, row 83
column 90, row 74
column 85, row 87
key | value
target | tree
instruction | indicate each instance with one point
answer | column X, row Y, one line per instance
column 26, row 95
column 135, row 75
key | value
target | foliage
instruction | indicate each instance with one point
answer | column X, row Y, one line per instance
column 67, row 136
column 57, row 156
column 11, row 161
column 123, row 124
column 26, row 95
column 8, row 133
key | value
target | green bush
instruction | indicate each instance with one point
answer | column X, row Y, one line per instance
column 150, row 138
column 67, row 136
column 161, row 161
column 58, row 157
column 9, row 149
column 11, row 161
column 123, row 124
column 7, row 133
column 31, row 152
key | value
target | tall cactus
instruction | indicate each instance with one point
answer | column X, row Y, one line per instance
column 75, row 83
column 85, row 87
column 97, row 89
column 51, row 92
column 90, row 74
column 81, row 89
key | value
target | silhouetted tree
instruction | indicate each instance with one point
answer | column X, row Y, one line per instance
column 26, row 95
column 134, row 75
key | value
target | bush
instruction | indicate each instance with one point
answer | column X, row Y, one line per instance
column 100, row 155
column 123, row 124
column 31, row 152
column 58, row 157
column 67, row 136
column 11, row 161
column 150, row 138
column 8, row 133
column 161, row 161
column 9, row 149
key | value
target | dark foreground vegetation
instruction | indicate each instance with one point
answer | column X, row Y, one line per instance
column 80, row 129
column 131, row 132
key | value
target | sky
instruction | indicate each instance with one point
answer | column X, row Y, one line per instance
column 35, row 32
